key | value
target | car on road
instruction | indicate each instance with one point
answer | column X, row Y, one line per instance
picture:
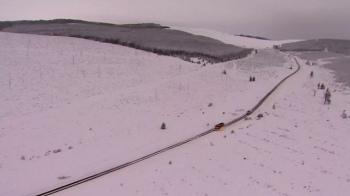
column 219, row 126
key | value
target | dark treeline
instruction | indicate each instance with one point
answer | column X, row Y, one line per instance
column 302, row 50
column 166, row 52
column 255, row 37
column 6, row 24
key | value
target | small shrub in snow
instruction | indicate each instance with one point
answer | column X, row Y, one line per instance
column 210, row 104
column 224, row 72
column 163, row 126
column 344, row 114
column 322, row 86
column 23, row 158
column 253, row 79
column 318, row 86
column 56, row 151
column 63, row 177
column 274, row 106
column 70, row 147
column 312, row 74
column 250, row 78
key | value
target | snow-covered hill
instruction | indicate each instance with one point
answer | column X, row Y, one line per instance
column 245, row 42
column 71, row 108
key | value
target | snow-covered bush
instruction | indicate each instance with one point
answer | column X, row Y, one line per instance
column 344, row 115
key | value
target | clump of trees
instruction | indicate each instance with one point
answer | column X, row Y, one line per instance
column 321, row 86
column 251, row 79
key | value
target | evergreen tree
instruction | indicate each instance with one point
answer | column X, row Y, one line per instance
column 327, row 97
column 163, row 126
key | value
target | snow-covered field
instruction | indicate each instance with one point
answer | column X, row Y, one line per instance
column 71, row 108
column 244, row 42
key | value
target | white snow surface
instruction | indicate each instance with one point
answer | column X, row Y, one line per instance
column 102, row 105
column 240, row 41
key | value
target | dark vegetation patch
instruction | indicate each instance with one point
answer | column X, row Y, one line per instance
column 314, row 56
column 339, row 63
column 330, row 45
column 341, row 66
column 148, row 37
column 255, row 37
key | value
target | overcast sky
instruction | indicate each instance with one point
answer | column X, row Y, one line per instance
column 275, row 19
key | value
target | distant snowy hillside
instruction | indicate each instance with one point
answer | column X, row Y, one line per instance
column 235, row 40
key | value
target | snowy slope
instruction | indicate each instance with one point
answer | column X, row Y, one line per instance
column 102, row 105
column 299, row 148
column 235, row 40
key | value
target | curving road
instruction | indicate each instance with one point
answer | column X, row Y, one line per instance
column 167, row 148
